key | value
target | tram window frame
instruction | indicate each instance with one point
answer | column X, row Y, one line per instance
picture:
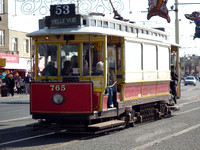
column 91, row 50
column 47, row 62
column 84, row 22
column 112, row 25
column 105, row 24
column 93, row 22
column 136, row 30
column 72, row 60
column 142, row 31
column 124, row 28
column 130, row 29
column 118, row 27
column 99, row 23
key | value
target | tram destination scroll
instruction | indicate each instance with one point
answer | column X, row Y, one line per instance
column 53, row 22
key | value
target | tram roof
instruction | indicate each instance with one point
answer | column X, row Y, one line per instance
column 80, row 30
column 88, row 28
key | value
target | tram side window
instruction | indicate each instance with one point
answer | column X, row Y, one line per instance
column 69, row 60
column 93, row 53
column 47, row 60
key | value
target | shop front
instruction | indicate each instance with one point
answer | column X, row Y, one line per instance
column 13, row 65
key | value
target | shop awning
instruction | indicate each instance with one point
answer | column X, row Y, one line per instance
column 14, row 66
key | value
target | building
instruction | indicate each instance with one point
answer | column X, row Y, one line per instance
column 14, row 44
column 190, row 65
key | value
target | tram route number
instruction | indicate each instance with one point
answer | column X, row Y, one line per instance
column 62, row 10
column 58, row 88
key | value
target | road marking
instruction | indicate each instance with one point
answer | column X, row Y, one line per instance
column 188, row 102
column 165, row 138
column 15, row 119
column 29, row 138
column 187, row 111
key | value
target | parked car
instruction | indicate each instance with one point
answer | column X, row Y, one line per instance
column 190, row 80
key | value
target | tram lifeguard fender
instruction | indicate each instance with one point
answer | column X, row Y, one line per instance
column 78, row 98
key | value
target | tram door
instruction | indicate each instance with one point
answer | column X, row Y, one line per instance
column 175, row 60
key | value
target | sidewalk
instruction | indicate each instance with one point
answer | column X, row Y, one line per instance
column 17, row 98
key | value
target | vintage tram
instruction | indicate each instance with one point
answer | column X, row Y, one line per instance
column 74, row 57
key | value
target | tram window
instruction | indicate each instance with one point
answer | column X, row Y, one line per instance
column 93, row 22
column 105, row 24
column 84, row 22
column 47, row 60
column 124, row 28
column 99, row 23
column 135, row 30
column 69, row 60
column 92, row 52
column 130, row 29
column 118, row 26
column 112, row 25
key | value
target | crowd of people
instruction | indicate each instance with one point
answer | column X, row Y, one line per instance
column 18, row 84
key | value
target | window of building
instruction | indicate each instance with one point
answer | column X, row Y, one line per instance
column 25, row 45
column 14, row 44
column 2, row 37
column 1, row 6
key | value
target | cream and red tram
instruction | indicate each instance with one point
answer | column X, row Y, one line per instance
column 139, row 57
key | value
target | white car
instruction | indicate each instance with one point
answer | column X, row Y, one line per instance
column 190, row 80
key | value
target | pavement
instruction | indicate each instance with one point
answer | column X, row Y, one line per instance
column 17, row 98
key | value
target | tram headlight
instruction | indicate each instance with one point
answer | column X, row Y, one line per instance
column 58, row 98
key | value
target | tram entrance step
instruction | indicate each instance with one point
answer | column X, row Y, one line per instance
column 107, row 124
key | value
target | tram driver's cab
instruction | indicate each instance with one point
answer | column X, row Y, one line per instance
column 79, row 62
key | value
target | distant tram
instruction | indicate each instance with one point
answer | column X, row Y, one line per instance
column 75, row 57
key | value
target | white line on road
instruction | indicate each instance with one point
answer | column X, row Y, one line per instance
column 15, row 119
column 188, row 111
column 165, row 138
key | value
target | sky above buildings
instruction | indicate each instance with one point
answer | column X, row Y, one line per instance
column 28, row 13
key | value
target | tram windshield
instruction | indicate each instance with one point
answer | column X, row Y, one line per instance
column 69, row 59
column 92, row 53
column 65, row 59
column 47, row 60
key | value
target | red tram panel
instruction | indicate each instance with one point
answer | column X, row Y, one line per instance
column 78, row 98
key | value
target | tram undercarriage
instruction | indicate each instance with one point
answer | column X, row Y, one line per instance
column 105, row 121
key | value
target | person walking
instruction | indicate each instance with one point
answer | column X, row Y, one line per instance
column 11, row 84
column 27, row 80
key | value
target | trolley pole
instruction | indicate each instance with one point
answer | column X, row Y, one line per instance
column 176, row 22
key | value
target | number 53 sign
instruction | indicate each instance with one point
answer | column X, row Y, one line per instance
column 62, row 10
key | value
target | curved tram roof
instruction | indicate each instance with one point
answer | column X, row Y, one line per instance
column 89, row 26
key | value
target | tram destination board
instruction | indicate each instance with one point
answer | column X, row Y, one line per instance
column 62, row 16
column 62, row 10
column 66, row 21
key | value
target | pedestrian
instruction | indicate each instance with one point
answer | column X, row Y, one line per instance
column 18, row 85
column 27, row 80
column 11, row 84
column 173, row 83
column 21, row 84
